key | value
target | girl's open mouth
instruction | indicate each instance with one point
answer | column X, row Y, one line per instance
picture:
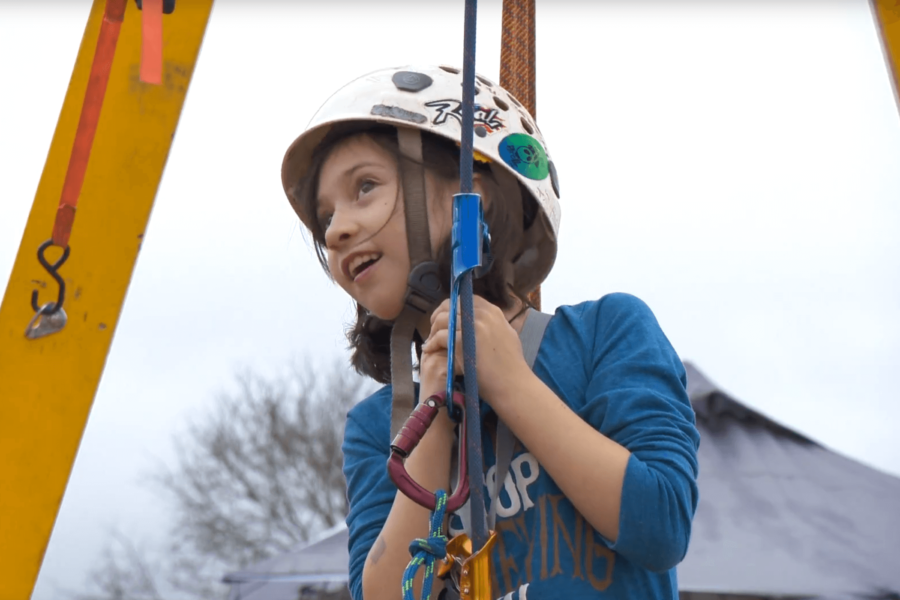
column 359, row 265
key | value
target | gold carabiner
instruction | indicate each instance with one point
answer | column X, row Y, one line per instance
column 470, row 572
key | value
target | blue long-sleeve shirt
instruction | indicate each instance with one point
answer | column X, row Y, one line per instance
column 610, row 362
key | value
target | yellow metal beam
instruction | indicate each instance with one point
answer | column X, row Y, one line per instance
column 887, row 13
column 47, row 385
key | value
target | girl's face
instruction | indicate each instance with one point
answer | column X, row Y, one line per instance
column 360, row 208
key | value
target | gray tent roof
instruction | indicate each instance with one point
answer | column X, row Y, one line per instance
column 321, row 562
column 779, row 515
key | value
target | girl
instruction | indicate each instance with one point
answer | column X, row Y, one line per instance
column 601, row 488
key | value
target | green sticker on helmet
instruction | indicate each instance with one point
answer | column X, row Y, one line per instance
column 525, row 156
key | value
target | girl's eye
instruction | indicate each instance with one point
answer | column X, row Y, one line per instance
column 366, row 186
column 325, row 222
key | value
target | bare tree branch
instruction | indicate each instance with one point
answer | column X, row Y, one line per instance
column 258, row 474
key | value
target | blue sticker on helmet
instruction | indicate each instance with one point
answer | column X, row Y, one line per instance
column 525, row 156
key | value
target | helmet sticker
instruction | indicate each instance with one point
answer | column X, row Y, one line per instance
column 395, row 112
column 485, row 117
column 525, row 156
column 410, row 81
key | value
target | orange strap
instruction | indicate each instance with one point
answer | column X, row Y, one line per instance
column 151, row 41
column 87, row 124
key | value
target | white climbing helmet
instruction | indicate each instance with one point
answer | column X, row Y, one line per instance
column 429, row 98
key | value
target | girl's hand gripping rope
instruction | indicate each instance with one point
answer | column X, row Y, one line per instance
column 499, row 357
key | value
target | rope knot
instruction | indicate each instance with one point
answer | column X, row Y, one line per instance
column 434, row 546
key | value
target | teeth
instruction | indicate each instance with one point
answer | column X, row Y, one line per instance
column 361, row 260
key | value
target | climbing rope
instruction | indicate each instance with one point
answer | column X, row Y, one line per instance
column 469, row 239
column 426, row 551
column 517, row 67
column 479, row 532
column 517, row 52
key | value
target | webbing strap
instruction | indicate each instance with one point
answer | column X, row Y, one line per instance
column 101, row 66
column 403, row 391
column 412, row 172
column 531, row 336
column 151, row 41
column 418, row 237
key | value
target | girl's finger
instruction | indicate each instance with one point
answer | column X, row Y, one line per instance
column 440, row 321
column 442, row 308
column 437, row 341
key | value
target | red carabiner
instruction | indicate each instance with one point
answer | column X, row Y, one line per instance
column 409, row 437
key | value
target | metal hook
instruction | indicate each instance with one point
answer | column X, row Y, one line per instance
column 52, row 270
column 43, row 323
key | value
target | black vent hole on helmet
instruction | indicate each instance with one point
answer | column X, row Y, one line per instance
column 486, row 82
column 527, row 126
column 453, row 70
column 501, row 104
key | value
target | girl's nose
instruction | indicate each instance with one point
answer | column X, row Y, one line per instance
column 341, row 228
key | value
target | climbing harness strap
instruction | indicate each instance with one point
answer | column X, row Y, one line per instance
column 531, row 336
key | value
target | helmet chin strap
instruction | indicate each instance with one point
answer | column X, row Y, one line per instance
column 424, row 287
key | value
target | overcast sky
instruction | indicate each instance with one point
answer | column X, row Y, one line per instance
column 734, row 164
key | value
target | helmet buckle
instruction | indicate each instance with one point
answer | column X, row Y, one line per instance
column 425, row 288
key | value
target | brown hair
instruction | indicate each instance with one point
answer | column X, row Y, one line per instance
column 370, row 336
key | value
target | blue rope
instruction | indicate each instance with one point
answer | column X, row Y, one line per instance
column 426, row 551
column 479, row 532
column 468, row 100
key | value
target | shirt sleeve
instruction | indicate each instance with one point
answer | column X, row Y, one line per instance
column 370, row 491
column 637, row 394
